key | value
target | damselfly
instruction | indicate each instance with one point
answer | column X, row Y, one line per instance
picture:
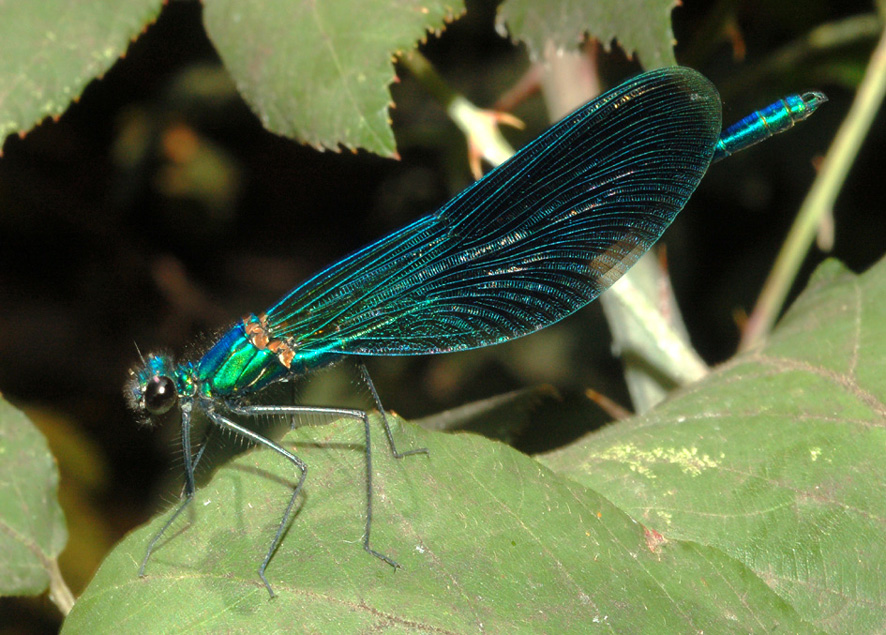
column 528, row 244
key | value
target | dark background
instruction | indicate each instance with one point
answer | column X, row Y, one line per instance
column 157, row 210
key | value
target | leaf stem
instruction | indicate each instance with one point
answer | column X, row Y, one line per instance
column 479, row 125
column 59, row 592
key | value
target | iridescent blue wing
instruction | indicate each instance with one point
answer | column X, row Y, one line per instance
column 531, row 242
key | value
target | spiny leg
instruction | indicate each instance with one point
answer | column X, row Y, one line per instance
column 187, row 497
column 223, row 422
column 384, row 417
column 159, row 534
column 286, row 411
column 190, row 464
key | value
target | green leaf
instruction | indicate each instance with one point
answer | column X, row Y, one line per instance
column 51, row 49
column 489, row 540
column 777, row 458
column 320, row 71
column 640, row 26
column 32, row 525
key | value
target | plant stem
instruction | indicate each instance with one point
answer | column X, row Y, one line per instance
column 819, row 202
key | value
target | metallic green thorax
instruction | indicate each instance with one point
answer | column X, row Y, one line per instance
column 235, row 365
column 242, row 362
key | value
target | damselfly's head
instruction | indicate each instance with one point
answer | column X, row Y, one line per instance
column 155, row 388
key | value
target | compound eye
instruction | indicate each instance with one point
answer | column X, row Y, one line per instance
column 160, row 395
